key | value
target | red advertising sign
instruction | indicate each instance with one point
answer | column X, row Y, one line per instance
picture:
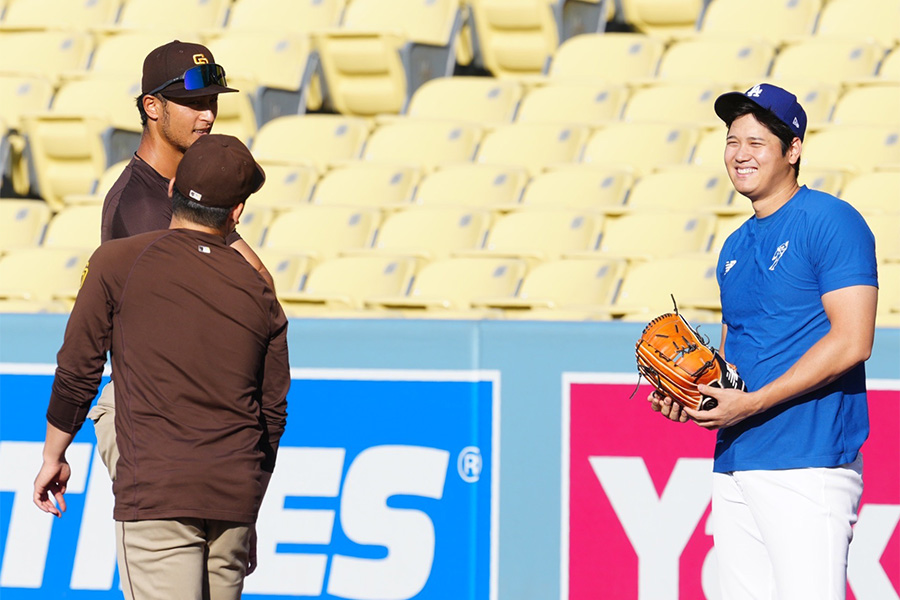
column 636, row 493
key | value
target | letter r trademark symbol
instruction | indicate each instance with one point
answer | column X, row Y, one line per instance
column 469, row 464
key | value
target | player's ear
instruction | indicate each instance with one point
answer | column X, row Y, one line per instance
column 236, row 211
column 171, row 187
column 152, row 106
column 794, row 150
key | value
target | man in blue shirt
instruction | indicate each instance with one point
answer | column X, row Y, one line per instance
column 798, row 287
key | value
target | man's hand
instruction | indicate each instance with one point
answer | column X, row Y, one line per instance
column 667, row 407
column 734, row 406
column 50, row 484
column 252, row 560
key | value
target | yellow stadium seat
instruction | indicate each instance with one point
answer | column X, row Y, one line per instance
column 384, row 51
column 321, row 232
column 573, row 103
column 288, row 270
column 852, row 148
column 47, row 54
column 607, row 58
column 474, row 185
column 75, row 227
column 432, row 232
column 826, row 180
column 515, row 37
column 423, row 143
column 23, row 94
column 319, row 140
column 540, row 234
column 253, row 222
column 122, row 54
column 579, row 186
column 569, row 284
column 875, row 19
column 362, row 183
column 709, row 151
column 888, row 314
column 648, row 287
column 826, row 60
column 73, row 144
column 347, row 281
column 690, row 188
column 889, row 69
column 729, row 61
column 771, row 20
column 868, row 105
column 59, row 14
column 286, row 16
column 150, row 14
column 534, row 146
column 663, row 18
column 873, row 193
column 675, row 103
column 642, row 147
column 482, row 100
column 101, row 186
column 455, row 283
column 274, row 70
column 652, row 234
column 40, row 279
column 725, row 226
column 23, row 222
column 287, row 186
column 887, row 242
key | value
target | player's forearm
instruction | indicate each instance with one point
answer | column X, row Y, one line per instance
column 55, row 444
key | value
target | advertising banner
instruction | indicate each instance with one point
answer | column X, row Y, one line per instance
column 636, row 492
column 386, row 487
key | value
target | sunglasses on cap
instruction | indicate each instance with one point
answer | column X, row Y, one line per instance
column 196, row 78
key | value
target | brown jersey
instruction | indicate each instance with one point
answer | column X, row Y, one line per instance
column 139, row 202
column 198, row 344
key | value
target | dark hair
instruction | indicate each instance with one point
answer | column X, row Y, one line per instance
column 768, row 120
column 209, row 216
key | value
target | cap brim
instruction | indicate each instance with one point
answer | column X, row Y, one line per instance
column 177, row 91
column 726, row 105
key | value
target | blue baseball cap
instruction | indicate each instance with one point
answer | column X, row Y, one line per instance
column 781, row 102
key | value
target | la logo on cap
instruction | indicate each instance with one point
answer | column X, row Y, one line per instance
column 755, row 91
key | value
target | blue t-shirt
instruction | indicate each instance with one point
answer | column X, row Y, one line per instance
column 772, row 273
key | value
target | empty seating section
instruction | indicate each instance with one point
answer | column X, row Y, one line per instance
column 511, row 159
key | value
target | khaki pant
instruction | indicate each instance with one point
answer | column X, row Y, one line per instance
column 103, row 414
column 182, row 559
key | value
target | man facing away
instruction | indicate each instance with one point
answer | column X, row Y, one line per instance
column 798, row 285
column 198, row 343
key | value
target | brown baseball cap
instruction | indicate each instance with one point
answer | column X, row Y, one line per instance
column 218, row 170
column 166, row 71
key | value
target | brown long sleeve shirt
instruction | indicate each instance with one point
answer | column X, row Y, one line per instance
column 198, row 344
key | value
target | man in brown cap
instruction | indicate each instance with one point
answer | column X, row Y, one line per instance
column 198, row 344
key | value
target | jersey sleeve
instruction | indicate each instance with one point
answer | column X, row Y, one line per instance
column 845, row 250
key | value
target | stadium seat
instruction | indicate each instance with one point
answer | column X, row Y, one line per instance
column 236, row 115
column 852, row 148
column 730, row 61
column 122, row 54
column 23, row 94
column 73, row 144
column 675, row 103
column 473, row 185
column 889, row 69
column 606, row 58
column 253, row 222
column 455, row 283
column 287, row 186
column 825, row 179
column 874, row 193
column 59, row 14
column 100, row 188
column 725, row 226
column 568, row 284
column 345, row 282
column 274, row 70
column 648, row 287
column 516, row 37
column 875, row 19
column 825, row 60
column 74, row 227
column 887, row 242
column 539, row 234
column 24, row 222
column 534, row 146
column 663, row 18
column 362, row 183
column 642, row 147
column 653, row 234
column 318, row 140
column 384, row 51
column 430, row 232
column 422, row 143
column 868, row 105
column 284, row 16
column 288, row 270
column 40, row 279
column 582, row 187
column 688, row 188
column 150, row 14
column 321, row 232
column 46, row 54
column 482, row 100
column 573, row 103
column 772, row 20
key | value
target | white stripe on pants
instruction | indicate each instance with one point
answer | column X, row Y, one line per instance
column 784, row 535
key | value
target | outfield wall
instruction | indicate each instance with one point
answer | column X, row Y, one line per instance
column 456, row 460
